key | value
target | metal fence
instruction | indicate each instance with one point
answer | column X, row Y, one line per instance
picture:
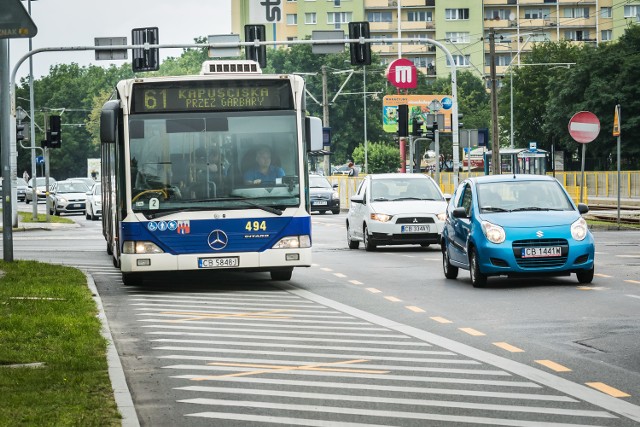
column 598, row 185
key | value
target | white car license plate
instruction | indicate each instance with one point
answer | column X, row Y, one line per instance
column 219, row 262
column 415, row 228
column 319, row 202
column 541, row 252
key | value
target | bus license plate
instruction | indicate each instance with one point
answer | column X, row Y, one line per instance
column 541, row 252
column 220, row 262
column 415, row 228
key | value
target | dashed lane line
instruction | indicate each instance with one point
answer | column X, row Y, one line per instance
column 553, row 365
column 472, row 332
column 608, row 389
column 508, row 347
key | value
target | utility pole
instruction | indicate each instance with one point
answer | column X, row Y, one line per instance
column 325, row 117
column 495, row 140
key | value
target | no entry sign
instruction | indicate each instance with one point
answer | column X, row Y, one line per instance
column 584, row 127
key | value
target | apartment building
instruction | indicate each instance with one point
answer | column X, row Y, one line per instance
column 463, row 26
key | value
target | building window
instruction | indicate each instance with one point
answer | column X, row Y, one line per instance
column 292, row 19
column 497, row 14
column 605, row 35
column 420, row 61
column 456, row 14
column 578, row 36
column 458, row 37
column 536, row 13
column 460, row 60
column 291, row 39
column 632, row 11
column 338, row 17
column 576, row 12
column 379, row 17
column 310, row 18
column 420, row 16
column 605, row 12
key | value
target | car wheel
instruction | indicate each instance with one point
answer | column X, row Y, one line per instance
column 56, row 211
column 132, row 279
column 26, row 201
column 86, row 215
column 478, row 280
column 322, row 212
column 353, row 244
column 585, row 276
column 281, row 274
column 450, row 272
column 335, row 211
column 368, row 245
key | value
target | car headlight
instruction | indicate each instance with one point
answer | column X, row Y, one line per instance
column 335, row 195
column 62, row 200
column 579, row 229
column 381, row 217
column 293, row 242
column 494, row 233
column 140, row 247
column 442, row 216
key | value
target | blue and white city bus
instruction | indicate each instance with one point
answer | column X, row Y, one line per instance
column 208, row 172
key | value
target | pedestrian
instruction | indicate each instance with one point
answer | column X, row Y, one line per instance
column 353, row 172
column 25, row 176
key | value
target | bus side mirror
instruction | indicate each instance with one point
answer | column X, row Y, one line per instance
column 108, row 121
column 313, row 132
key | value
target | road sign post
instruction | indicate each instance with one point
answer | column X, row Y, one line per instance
column 584, row 127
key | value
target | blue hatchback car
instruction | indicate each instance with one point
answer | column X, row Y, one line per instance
column 516, row 225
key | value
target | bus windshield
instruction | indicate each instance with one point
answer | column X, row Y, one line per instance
column 213, row 160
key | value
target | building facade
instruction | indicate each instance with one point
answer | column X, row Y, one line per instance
column 465, row 27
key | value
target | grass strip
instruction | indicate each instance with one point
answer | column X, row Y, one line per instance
column 53, row 367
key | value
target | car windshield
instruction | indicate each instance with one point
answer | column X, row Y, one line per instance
column 72, row 187
column 512, row 196
column 21, row 182
column 41, row 181
column 389, row 189
column 318, row 182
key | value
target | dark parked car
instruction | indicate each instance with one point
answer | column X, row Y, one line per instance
column 516, row 225
column 323, row 195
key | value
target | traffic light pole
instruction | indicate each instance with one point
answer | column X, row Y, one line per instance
column 5, row 137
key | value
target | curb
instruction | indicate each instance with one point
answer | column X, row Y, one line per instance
column 121, row 391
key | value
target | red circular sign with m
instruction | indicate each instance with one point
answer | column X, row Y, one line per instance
column 402, row 74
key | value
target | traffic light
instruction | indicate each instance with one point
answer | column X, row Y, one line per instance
column 19, row 132
column 256, row 53
column 417, row 126
column 54, row 134
column 360, row 52
column 403, row 120
column 145, row 59
column 432, row 126
column 483, row 137
column 460, row 124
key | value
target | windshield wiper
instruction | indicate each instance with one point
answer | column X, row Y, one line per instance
column 494, row 209
column 534, row 208
column 265, row 208
column 380, row 199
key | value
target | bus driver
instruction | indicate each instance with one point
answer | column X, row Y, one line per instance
column 263, row 171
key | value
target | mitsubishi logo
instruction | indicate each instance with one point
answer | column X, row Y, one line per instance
column 539, row 233
column 217, row 240
column 415, row 220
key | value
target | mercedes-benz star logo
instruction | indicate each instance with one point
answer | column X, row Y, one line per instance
column 217, row 240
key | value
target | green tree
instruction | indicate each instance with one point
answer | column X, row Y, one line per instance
column 381, row 157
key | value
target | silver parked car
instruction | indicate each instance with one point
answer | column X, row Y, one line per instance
column 41, row 189
column 67, row 197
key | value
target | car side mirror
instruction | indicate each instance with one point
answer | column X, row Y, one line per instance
column 335, row 186
column 459, row 212
column 357, row 199
column 88, row 193
column 447, row 196
column 582, row 208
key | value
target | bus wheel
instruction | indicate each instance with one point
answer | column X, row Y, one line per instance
column 132, row 279
column 281, row 274
column 109, row 251
column 116, row 261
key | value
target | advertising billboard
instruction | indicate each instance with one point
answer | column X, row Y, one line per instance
column 418, row 106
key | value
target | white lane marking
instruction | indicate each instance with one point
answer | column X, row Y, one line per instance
column 399, row 414
column 634, row 296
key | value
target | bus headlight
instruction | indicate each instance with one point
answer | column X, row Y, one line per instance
column 293, row 242
column 579, row 229
column 140, row 247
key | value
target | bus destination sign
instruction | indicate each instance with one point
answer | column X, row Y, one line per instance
column 214, row 95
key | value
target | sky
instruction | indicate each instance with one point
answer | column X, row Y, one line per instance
column 68, row 23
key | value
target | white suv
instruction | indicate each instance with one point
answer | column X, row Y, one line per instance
column 396, row 209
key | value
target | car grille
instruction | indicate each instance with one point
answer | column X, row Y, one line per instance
column 416, row 220
column 518, row 245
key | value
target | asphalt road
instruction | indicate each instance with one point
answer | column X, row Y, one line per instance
column 370, row 338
